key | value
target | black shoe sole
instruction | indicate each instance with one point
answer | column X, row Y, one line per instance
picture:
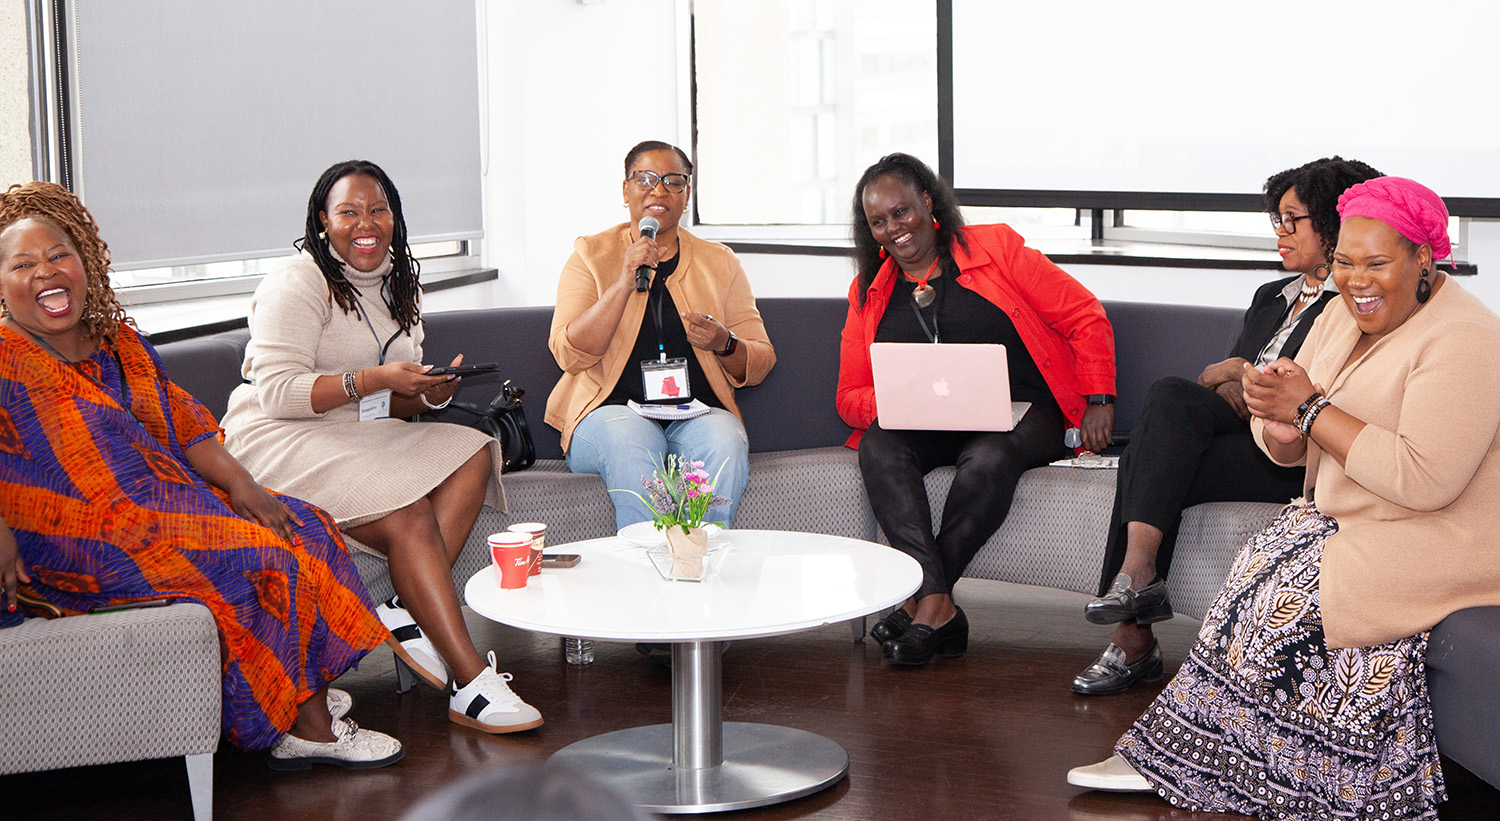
column 1115, row 615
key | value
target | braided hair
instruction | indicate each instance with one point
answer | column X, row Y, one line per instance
column 102, row 313
column 945, row 210
column 1319, row 184
column 401, row 286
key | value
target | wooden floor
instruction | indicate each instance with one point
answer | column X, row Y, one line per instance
column 990, row 735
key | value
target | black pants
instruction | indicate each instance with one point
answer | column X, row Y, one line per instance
column 1188, row 447
column 893, row 463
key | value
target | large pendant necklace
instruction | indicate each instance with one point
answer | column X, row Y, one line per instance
column 1310, row 292
column 923, row 294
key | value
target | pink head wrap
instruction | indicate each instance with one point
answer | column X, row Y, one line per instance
column 1406, row 205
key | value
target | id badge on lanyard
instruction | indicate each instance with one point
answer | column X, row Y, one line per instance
column 664, row 379
column 378, row 404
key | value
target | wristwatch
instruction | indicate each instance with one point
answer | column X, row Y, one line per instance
column 1100, row 399
column 729, row 347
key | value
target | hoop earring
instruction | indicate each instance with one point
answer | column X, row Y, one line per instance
column 1424, row 288
column 1322, row 266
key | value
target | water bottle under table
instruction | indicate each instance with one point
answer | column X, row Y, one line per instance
column 578, row 651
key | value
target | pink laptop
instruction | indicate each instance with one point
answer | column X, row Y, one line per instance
column 922, row 386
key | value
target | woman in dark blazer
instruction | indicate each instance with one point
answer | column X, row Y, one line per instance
column 1192, row 443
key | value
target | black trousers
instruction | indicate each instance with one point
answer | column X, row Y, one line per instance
column 893, row 463
column 1187, row 448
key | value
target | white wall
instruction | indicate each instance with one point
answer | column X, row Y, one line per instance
column 563, row 110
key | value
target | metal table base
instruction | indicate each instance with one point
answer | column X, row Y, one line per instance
column 700, row 764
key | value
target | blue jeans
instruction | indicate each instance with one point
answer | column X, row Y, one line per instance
column 622, row 446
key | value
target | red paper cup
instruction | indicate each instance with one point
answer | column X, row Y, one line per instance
column 512, row 555
column 537, row 532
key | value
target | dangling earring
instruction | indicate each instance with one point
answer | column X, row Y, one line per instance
column 1424, row 288
column 935, row 225
column 882, row 252
column 323, row 235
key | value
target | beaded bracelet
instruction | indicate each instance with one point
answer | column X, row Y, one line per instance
column 1305, row 425
column 1306, row 403
column 350, row 389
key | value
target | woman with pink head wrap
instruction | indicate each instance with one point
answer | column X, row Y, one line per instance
column 1306, row 694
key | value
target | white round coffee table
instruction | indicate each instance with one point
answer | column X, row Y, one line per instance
column 769, row 583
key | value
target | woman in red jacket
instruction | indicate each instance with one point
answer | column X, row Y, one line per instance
column 960, row 284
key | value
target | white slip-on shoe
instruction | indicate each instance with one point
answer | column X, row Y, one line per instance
column 410, row 645
column 488, row 705
column 1114, row 774
column 354, row 749
column 339, row 703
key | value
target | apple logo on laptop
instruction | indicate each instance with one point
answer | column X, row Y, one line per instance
column 940, row 387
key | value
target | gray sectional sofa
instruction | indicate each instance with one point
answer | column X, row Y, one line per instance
column 802, row 478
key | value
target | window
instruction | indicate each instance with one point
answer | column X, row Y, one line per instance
column 15, row 96
column 836, row 84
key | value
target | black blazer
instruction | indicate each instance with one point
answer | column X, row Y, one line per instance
column 1264, row 315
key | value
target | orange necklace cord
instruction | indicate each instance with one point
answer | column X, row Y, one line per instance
column 922, row 283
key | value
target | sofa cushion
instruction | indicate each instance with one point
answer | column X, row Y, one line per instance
column 1209, row 538
column 96, row 689
column 816, row 490
column 1463, row 676
column 207, row 367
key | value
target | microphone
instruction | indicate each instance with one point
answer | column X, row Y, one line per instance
column 648, row 228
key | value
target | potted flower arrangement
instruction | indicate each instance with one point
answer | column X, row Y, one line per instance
column 679, row 494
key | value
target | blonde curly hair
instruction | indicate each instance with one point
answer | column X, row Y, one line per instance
column 102, row 313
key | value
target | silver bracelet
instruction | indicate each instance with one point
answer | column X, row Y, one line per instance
column 430, row 406
column 350, row 389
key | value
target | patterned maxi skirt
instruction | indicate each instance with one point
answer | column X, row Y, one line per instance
column 1264, row 718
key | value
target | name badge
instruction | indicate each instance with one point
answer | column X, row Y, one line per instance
column 375, row 406
column 665, row 380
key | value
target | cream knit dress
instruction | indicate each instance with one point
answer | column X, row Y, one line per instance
column 357, row 471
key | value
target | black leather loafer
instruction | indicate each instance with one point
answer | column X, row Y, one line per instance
column 1148, row 605
column 920, row 643
column 1109, row 674
column 891, row 627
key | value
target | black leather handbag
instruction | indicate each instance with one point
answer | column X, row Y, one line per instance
column 505, row 419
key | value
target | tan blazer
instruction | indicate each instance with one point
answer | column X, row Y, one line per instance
column 1418, row 499
column 709, row 280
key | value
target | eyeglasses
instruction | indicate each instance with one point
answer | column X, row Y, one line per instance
column 1287, row 220
column 647, row 180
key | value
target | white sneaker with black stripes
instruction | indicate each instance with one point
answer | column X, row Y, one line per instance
column 410, row 645
column 488, row 705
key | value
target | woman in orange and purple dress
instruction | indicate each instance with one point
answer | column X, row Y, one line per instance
column 115, row 489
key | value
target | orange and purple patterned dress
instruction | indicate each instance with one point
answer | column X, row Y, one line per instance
column 96, row 484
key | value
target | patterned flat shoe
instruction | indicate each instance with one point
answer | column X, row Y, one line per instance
column 352, row 748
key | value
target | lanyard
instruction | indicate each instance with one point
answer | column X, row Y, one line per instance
column 934, row 334
column 371, row 326
column 657, row 298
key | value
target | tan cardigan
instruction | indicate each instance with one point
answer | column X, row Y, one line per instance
column 708, row 279
column 1419, row 497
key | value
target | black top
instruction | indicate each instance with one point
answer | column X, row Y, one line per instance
column 674, row 339
column 963, row 316
column 1264, row 316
